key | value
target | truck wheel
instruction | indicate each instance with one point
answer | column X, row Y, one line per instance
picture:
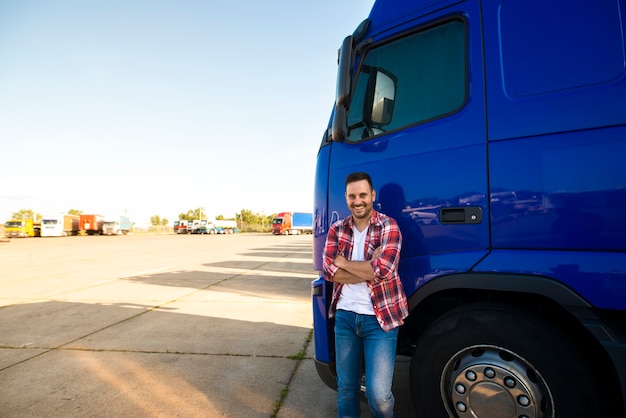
column 495, row 361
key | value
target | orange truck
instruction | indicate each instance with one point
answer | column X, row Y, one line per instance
column 292, row 223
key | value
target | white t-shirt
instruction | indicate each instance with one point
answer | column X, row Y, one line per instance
column 356, row 297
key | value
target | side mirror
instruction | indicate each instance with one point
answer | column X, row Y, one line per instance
column 383, row 98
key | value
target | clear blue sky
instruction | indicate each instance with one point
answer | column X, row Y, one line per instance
column 157, row 107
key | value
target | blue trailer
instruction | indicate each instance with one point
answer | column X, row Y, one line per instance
column 495, row 134
column 301, row 223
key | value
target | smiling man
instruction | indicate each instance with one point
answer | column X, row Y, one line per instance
column 361, row 257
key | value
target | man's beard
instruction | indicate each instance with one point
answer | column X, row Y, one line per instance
column 361, row 215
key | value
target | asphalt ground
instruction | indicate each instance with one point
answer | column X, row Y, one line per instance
column 162, row 326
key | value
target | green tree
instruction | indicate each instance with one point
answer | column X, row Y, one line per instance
column 249, row 217
column 26, row 214
column 193, row 214
column 253, row 222
column 74, row 212
column 155, row 220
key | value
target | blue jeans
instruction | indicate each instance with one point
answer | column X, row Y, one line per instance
column 359, row 337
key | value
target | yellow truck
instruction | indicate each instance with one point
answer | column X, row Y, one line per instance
column 22, row 228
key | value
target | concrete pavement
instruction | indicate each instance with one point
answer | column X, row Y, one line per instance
column 161, row 326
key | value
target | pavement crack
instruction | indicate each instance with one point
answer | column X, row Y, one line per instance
column 285, row 390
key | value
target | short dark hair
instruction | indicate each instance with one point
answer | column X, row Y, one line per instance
column 358, row 176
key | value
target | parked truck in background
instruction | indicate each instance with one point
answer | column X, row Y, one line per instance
column 495, row 134
column 292, row 223
column 201, row 226
column 116, row 225
column 180, row 226
column 197, row 227
column 223, row 226
column 205, row 226
column 281, row 223
column 22, row 228
column 60, row 225
column 91, row 224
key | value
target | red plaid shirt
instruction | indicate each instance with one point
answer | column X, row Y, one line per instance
column 388, row 298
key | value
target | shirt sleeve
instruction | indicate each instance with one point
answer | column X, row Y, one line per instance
column 331, row 249
column 391, row 241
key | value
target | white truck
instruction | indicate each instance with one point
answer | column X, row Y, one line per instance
column 116, row 225
column 60, row 225
column 205, row 226
column 199, row 226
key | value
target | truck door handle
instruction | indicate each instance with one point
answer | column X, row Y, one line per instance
column 463, row 215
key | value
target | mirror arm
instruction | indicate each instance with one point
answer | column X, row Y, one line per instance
column 339, row 127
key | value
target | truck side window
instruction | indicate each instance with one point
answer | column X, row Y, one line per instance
column 428, row 70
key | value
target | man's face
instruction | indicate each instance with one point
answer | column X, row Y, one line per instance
column 360, row 199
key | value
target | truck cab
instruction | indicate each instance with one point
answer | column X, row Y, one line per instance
column 22, row 228
column 494, row 132
column 281, row 224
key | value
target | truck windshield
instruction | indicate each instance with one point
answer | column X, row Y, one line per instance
column 422, row 77
column 13, row 224
column 49, row 221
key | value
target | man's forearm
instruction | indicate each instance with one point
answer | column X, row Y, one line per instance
column 345, row 277
column 360, row 269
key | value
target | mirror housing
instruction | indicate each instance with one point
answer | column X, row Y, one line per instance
column 344, row 73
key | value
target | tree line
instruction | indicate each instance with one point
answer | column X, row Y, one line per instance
column 247, row 220
column 35, row 216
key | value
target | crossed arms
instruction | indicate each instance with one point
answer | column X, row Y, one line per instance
column 351, row 272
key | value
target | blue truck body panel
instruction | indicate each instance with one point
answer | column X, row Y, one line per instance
column 518, row 187
column 302, row 220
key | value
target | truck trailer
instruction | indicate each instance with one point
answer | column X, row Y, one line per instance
column 60, row 225
column 301, row 223
column 91, row 224
column 222, row 226
column 495, row 134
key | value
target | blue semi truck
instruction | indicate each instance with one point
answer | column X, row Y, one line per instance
column 495, row 134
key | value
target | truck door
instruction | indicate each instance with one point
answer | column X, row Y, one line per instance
column 416, row 123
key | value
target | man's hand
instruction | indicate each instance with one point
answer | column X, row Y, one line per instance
column 340, row 261
column 377, row 252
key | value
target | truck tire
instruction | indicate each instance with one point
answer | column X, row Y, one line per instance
column 494, row 361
